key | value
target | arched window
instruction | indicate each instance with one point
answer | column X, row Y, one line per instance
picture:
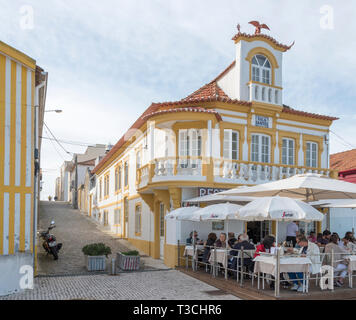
column 261, row 69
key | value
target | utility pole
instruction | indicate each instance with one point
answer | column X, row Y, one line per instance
column 75, row 200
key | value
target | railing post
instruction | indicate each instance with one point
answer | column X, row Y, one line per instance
column 178, row 259
column 214, row 261
column 332, row 265
column 277, row 275
column 242, row 266
column 194, row 250
column 226, row 263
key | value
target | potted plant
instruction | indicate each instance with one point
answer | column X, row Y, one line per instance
column 95, row 256
column 129, row 260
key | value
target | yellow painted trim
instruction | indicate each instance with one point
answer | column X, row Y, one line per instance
column 309, row 120
column 32, row 159
column 17, row 55
column 264, row 84
column 2, row 142
column 260, row 38
column 232, row 116
column 143, row 245
column 269, row 55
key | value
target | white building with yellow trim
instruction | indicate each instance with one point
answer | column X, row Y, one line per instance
column 233, row 131
column 22, row 99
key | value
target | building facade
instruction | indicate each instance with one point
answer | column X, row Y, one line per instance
column 342, row 220
column 233, row 131
column 22, row 101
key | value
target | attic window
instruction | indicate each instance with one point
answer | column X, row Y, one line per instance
column 261, row 69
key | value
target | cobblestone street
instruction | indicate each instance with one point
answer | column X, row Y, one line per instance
column 75, row 230
column 67, row 278
column 151, row 285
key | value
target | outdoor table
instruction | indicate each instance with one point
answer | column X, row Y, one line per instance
column 189, row 252
column 220, row 256
column 268, row 265
column 351, row 267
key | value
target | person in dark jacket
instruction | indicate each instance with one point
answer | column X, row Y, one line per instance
column 231, row 239
column 243, row 242
column 208, row 244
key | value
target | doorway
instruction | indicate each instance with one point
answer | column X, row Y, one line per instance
column 161, row 229
column 257, row 230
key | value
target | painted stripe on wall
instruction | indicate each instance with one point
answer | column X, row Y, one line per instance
column 17, row 223
column 6, row 223
column 2, row 143
column 18, row 126
column 7, row 122
column 28, row 223
column 29, row 130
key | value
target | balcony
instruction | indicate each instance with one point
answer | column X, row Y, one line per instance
column 265, row 93
column 222, row 171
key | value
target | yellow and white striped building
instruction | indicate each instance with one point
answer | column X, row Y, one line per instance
column 19, row 77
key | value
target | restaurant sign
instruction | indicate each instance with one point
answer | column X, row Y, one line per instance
column 209, row 191
column 261, row 121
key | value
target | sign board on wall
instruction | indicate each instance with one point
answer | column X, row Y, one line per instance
column 208, row 191
column 261, row 121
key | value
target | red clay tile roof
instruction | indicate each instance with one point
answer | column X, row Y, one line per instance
column 189, row 109
column 208, row 93
column 261, row 35
column 343, row 161
column 287, row 109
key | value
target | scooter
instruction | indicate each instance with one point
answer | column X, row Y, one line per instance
column 50, row 241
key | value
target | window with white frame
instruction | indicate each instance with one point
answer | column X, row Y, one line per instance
column 138, row 160
column 231, row 144
column 190, row 145
column 138, row 218
column 261, row 69
column 312, row 155
column 126, row 173
column 260, row 148
column 288, row 151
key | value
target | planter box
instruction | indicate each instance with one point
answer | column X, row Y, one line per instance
column 130, row 263
column 97, row 263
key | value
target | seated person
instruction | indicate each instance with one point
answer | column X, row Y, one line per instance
column 266, row 245
column 325, row 238
column 190, row 239
column 312, row 237
column 221, row 242
column 340, row 267
column 231, row 239
column 349, row 242
column 242, row 243
column 311, row 250
column 339, row 241
column 208, row 245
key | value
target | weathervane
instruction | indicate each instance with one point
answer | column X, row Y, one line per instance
column 259, row 26
column 238, row 28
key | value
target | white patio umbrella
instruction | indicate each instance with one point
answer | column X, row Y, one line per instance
column 335, row 203
column 217, row 198
column 184, row 212
column 309, row 187
column 219, row 212
column 279, row 209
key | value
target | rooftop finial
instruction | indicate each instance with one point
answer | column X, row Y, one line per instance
column 238, row 27
column 259, row 26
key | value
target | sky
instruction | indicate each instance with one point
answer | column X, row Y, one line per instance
column 109, row 60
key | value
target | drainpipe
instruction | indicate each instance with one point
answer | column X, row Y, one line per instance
column 37, row 169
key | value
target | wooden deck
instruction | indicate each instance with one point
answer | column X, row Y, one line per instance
column 247, row 292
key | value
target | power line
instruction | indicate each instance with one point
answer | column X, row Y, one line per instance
column 56, row 139
column 55, row 147
column 75, row 143
column 342, row 139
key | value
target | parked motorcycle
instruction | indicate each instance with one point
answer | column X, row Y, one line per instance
column 50, row 242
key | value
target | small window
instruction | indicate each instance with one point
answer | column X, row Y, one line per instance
column 288, row 151
column 231, row 145
column 138, row 160
column 261, row 69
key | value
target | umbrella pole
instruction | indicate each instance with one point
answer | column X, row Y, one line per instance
column 277, row 231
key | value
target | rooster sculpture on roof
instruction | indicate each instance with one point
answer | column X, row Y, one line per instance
column 259, row 26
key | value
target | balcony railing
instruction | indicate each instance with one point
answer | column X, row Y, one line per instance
column 222, row 171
